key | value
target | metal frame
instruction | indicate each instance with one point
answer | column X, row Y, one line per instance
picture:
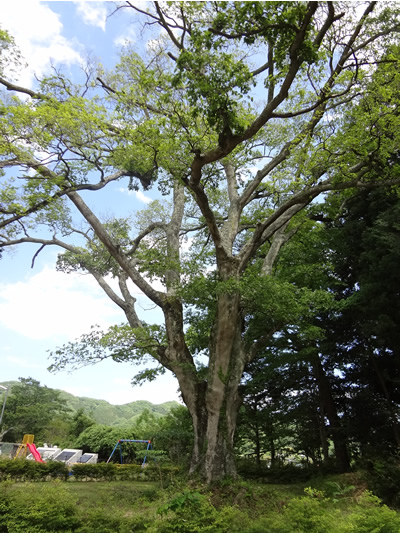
column 120, row 441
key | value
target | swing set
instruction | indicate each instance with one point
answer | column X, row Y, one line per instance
column 119, row 445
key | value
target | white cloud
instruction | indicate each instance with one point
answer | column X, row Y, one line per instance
column 54, row 305
column 38, row 34
column 139, row 195
column 126, row 38
column 142, row 197
column 92, row 13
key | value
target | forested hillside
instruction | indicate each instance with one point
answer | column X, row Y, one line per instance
column 103, row 412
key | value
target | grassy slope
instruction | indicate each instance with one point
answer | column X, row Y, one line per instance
column 230, row 507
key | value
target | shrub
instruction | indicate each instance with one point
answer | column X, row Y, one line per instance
column 22, row 470
column 48, row 509
column 283, row 474
column 101, row 521
column 383, row 479
column 192, row 512
column 5, row 504
column 372, row 517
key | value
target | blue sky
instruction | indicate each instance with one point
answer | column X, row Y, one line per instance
column 40, row 308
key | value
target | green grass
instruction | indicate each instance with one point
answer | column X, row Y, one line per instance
column 338, row 504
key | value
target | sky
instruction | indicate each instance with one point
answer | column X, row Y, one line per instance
column 40, row 308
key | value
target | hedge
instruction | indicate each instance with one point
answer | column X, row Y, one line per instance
column 23, row 470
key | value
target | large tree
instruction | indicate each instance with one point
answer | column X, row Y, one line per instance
column 242, row 113
column 35, row 409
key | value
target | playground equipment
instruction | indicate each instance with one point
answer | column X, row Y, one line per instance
column 46, row 452
column 34, row 451
column 27, row 443
column 88, row 458
column 119, row 444
column 68, row 456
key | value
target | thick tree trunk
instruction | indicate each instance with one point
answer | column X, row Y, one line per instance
column 212, row 455
column 215, row 409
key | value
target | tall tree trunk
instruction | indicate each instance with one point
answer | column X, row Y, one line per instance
column 257, row 442
column 218, row 400
column 323, row 436
column 328, row 404
column 391, row 408
column 273, row 451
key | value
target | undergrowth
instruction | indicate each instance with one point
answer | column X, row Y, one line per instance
column 338, row 504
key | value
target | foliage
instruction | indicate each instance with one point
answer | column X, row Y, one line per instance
column 372, row 516
column 243, row 113
column 382, row 476
column 341, row 361
column 23, row 470
column 80, row 422
column 123, row 507
column 34, row 409
column 175, row 435
column 51, row 509
column 102, row 440
column 191, row 511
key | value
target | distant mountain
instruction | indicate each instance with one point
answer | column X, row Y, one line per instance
column 104, row 412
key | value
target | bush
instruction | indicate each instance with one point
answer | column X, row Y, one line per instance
column 192, row 512
column 101, row 521
column 372, row 517
column 383, row 479
column 48, row 509
column 5, row 504
column 283, row 474
column 22, row 470
column 307, row 514
column 115, row 472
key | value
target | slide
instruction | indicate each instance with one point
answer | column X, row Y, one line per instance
column 32, row 448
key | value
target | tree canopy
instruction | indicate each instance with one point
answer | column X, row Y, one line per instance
column 242, row 114
column 33, row 409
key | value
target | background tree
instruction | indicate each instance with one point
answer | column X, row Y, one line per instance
column 80, row 422
column 34, row 409
column 366, row 335
column 102, row 439
column 175, row 436
column 339, row 367
column 226, row 87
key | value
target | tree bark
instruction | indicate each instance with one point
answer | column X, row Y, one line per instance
column 219, row 413
column 392, row 410
column 328, row 404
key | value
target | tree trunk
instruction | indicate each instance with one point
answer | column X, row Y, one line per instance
column 257, row 444
column 323, row 437
column 217, row 401
column 392, row 410
column 273, row 451
column 328, row 404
